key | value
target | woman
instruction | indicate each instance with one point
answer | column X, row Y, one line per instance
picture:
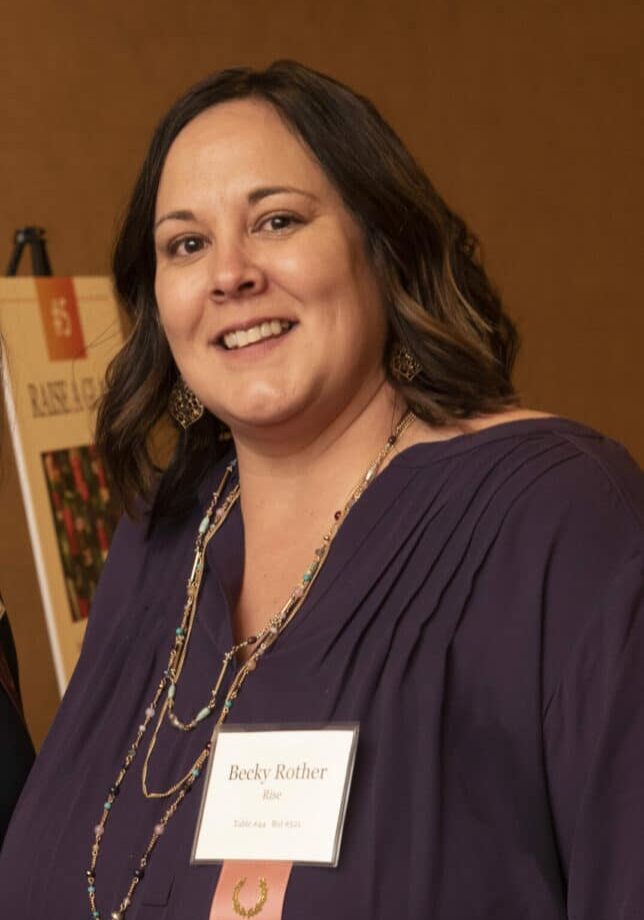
column 387, row 540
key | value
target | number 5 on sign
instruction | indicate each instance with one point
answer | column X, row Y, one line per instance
column 60, row 319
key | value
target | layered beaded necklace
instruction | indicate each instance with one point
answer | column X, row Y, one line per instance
column 163, row 703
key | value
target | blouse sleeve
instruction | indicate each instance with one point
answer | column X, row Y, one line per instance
column 594, row 750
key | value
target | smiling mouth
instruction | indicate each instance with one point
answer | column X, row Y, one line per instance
column 242, row 338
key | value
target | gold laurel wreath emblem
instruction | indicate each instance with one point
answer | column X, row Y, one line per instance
column 257, row 907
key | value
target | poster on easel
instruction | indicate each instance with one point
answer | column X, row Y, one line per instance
column 59, row 335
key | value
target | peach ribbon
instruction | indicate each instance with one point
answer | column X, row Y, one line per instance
column 276, row 876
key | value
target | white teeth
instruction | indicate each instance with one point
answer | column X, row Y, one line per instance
column 265, row 330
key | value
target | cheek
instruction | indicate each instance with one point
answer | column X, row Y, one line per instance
column 179, row 305
column 322, row 263
column 304, row 274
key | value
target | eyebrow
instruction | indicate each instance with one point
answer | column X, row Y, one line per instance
column 256, row 195
column 259, row 193
column 175, row 215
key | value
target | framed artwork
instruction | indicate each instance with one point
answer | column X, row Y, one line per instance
column 59, row 335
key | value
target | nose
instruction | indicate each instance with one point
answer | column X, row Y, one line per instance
column 235, row 275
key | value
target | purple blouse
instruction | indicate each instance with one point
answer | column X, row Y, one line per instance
column 480, row 614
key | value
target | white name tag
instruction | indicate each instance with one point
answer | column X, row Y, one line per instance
column 276, row 793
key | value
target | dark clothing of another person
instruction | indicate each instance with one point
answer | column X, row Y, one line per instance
column 480, row 614
column 16, row 750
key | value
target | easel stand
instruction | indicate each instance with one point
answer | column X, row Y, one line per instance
column 33, row 237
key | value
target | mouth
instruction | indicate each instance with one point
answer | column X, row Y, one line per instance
column 236, row 339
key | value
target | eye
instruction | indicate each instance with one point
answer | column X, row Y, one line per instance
column 185, row 246
column 278, row 223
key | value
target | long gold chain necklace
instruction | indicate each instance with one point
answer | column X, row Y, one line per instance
column 212, row 521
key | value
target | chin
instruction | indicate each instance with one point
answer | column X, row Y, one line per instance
column 265, row 403
column 264, row 414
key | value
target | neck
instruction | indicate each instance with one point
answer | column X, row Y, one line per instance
column 311, row 471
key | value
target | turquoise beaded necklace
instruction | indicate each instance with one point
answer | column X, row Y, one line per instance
column 163, row 702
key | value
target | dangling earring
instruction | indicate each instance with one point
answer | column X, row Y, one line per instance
column 184, row 407
column 402, row 364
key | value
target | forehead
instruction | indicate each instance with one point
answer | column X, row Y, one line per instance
column 236, row 145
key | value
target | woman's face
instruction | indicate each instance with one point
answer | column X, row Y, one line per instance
column 264, row 288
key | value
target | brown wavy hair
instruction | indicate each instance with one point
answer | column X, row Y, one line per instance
column 439, row 301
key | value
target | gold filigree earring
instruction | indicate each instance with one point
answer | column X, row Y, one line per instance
column 403, row 365
column 184, row 407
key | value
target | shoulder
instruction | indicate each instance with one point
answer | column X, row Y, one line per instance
column 565, row 509
column 548, row 510
column 543, row 466
column 579, row 480
column 577, row 472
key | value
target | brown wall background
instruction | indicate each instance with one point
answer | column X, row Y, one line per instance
column 526, row 115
